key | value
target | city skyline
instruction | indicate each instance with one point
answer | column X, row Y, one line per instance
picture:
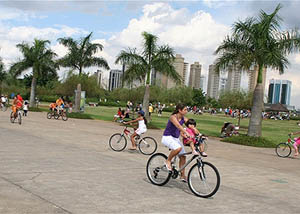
column 192, row 28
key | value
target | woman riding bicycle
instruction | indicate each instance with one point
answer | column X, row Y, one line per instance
column 171, row 136
column 140, row 130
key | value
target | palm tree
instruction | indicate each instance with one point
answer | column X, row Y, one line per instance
column 258, row 42
column 152, row 58
column 81, row 54
column 38, row 57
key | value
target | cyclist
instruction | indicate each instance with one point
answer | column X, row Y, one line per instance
column 171, row 136
column 193, row 131
column 16, row 105
column 60, row 104
column 297, row 142
column 53, row 107
column 142, row 128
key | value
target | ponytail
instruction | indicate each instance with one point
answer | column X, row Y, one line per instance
column 145, row 120
column 179, row 106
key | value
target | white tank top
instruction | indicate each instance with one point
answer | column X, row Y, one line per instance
column 142, row 124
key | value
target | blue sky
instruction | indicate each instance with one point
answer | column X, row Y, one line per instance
column 193, row 28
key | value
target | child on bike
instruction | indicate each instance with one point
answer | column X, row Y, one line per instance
column 142, row 128
column 191, row 141
column 53, row 107
column 297, row 142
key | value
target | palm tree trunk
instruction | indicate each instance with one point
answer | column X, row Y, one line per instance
column 77, row 98
column 146, row 101
column 257, row 107
column 32, row 92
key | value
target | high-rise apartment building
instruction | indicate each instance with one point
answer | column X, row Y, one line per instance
column 181, row 69
column 115, row 79
column 253, row 73
column 202, row 82
column 279, row 91
column 195, row 75
column 223, row 83
column 213, row 82
column 233, row 78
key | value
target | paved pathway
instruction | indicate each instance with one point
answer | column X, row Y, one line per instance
column 50, row 166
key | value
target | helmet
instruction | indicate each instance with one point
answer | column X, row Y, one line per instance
column 141, row 112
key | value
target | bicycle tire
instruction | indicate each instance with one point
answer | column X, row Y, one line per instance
column 19, row 118
column 56, row 116
column 283, row 150
column 49, row 115
column 156, row 171
column 64, row 117
column 208, row 170
column 12, row 118
column 147, row 145
column 117, row 142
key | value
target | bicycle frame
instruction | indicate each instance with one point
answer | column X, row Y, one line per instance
column 197, row 157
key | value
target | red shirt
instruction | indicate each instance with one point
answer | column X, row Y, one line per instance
column 19, row 104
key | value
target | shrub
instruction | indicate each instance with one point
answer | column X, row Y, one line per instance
column 79, row 115
column 294, row 118
column 250, row 141
column 112, row 103
column 48, row 98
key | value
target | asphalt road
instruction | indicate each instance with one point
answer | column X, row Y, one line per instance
column 50, row 166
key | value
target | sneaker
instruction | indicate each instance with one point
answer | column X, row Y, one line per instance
column 195, row 152
column 203, row 154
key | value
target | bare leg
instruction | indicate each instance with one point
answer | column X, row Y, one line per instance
column 182, row 160
column 133, row 141
column 172, row 154
column 296, row 149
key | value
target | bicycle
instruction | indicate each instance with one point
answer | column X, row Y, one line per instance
column 203, row 177
column 118, row 142
column 3, row 107
column 285, row 149
column 56, row 115
column 18, row 116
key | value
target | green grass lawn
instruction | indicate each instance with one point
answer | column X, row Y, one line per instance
column 275, row 131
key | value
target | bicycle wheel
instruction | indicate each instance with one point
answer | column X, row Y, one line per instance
column 204, row 181
column 12, row 118
column 117, row 142
column 56, row 116
column 49, row 115
column 64, row 116
column 19, row 118
column 147, row 145
column 156, row 170
column 4, row 107
column 283, row 150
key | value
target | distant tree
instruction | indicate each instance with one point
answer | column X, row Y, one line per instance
column 38, row 57
column 199, row 97
column 81, row 54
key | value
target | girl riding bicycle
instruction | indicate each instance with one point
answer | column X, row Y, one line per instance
column 142, row 128
column 193, row 131
column 171, row 136
column 297, row 142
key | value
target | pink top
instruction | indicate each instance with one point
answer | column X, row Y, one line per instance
column 192, row 134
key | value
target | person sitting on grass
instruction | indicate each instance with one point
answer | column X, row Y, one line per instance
column 142, row 128
column 118, row 115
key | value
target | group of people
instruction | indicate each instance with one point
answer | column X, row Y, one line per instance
column 18, row 103
column 61, row 105
column 171, row 135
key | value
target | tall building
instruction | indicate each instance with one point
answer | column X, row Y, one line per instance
column 181, row 69
column 213, row 82
column 195, row 75
column 115, row 79
column 279, row 91
column 223, row 83
column 252, row 73
column 234, row 78
column 202, row 82
column 185, row 72
column 98, row 76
